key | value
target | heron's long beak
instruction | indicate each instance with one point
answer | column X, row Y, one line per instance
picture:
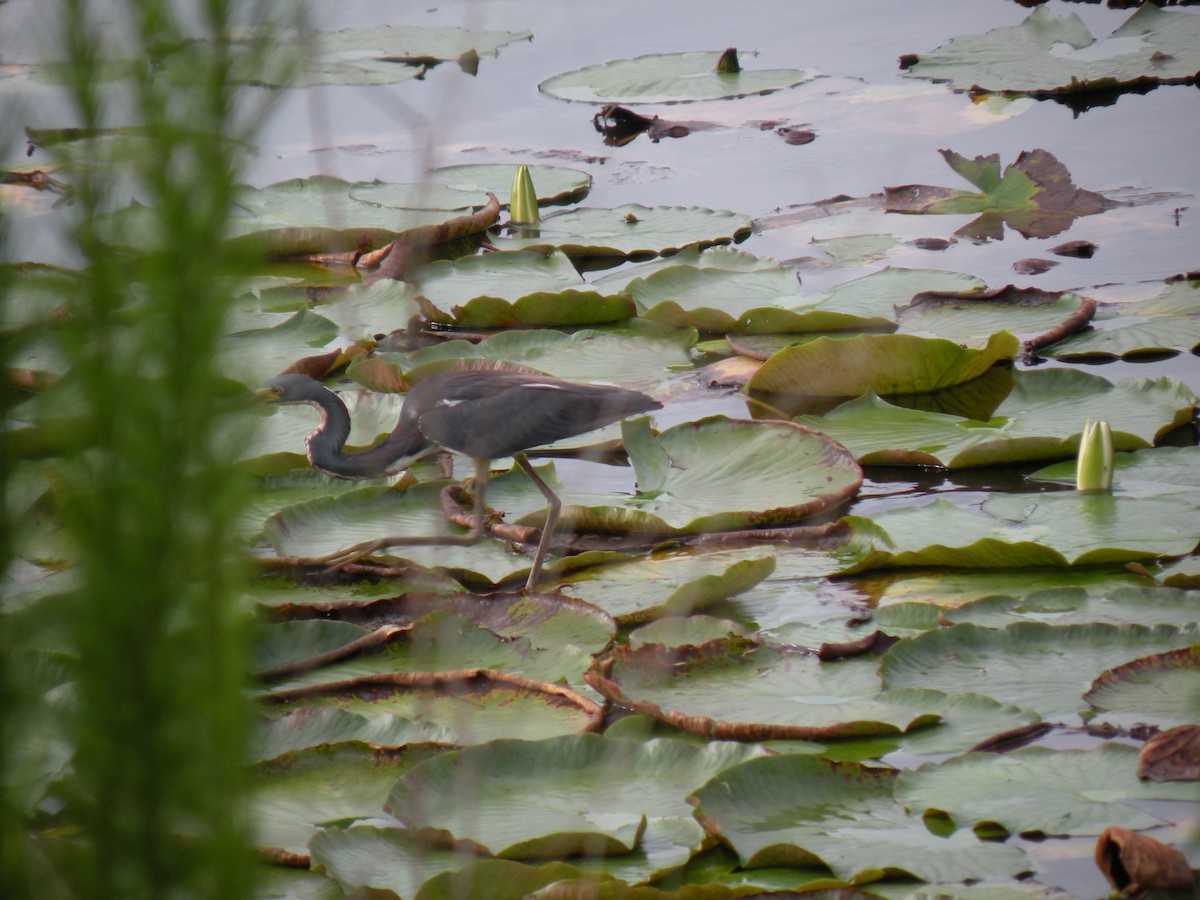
column 266, row 395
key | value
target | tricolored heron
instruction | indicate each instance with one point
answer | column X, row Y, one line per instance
column 483, row 414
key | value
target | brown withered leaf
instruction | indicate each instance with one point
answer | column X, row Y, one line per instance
column 1133, row 863
column 1171, row 755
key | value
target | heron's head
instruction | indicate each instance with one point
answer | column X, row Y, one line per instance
column 289, row 389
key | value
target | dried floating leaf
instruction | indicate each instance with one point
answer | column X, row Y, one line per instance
column 1133, row 863
column 1171, row 755
column 1033, row 266
column 414, row 243
column 876, row 642
column 1079, row 249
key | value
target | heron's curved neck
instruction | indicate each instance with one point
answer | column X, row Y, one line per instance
column 326, row 445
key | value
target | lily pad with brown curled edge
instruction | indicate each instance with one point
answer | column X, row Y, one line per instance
column 544, row 620
column 1035, row 197
column 734, row 689
column 1047, row 55
column 633, row 231
column 298, row 793
column 1168, row 323
column 555, row 185
column 381, row 861
column 582, row 794
column 1036, row 316
column 667, row 78
column 477, row 705
column 323, row 214
column 1159, row 688
column 439, row 642
column 799, row 810
column 1044, row 668
column 318, row 726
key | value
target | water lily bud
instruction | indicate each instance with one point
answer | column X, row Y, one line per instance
column 522, row 203
column 1094, row 469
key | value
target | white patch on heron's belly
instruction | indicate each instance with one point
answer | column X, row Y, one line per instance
column 549, row 387
column 447, row 402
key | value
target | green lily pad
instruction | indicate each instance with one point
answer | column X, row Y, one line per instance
column 970, row 319
column 642, row 357
column 967, row 720
column 796, row 810
column 290, row 642
column 667, row 78
column 876, row 297
column 690, row 475
column 365, row 311
column 734, row 689
column 1168, row 322
column 1047, row 54
column 315, row 727
column 299, row 793
column 1077, row 791
column 546, row 622
column 1035, row 197
column 1077, row 606
column 385, row 54
column 884, row 363
column 1160, row 688
column 581, row 794
column 442, row 642
column 633, row 231
column 686, row 631
column 1020, row 530
column 677, row 584
column 555, row 185
column 323, row 214
column 387, row 859
column 1040, row 419
column 254, row 356
column 475, row 705
column 1044, row 668
column 516, row 288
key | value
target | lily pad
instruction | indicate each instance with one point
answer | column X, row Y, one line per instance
column 1019, row 530
column 971, row 318
column 583, row 794
column 323, row 214
column 638, row 590
column 1078, row 791
column 1044, row 668
column 884, row 363
column 474, row 704
column 304, row 728
column 254, row 356
column 796, row 810
column 555, row 185
column 667, row 78
column 1077, row 606
column 385, row 54
column 1166, row 323
column 441, row 642
column 516, row 288
column 642, row 357
column 633, row 231
column 365, row 857
column 1040, row 419
column 772, row 473
column 300, row 792
column 1047, row 54
column 734, row 689
column 1160, row 688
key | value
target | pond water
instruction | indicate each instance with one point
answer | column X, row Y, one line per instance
column 873, row 127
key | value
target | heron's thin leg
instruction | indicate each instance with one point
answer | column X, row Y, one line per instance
column 552, row 510
column 473, row 536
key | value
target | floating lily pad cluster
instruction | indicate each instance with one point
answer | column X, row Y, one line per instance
column 752, row 672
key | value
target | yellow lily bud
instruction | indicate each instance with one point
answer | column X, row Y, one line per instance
column 522, row 202
column 1093, row 472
